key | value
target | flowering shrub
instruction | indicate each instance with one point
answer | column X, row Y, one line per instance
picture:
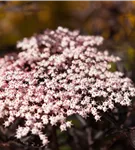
column 59, row 73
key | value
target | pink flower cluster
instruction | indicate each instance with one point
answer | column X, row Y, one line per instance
column 59, row 73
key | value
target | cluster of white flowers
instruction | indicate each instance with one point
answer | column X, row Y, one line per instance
column 59, row 73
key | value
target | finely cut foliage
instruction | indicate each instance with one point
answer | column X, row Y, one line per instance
column 59, row 73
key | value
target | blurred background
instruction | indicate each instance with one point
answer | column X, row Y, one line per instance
column 115, row 21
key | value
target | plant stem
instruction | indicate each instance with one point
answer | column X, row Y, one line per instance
column 55, row 145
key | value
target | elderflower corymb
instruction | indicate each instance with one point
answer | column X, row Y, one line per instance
column 57, row 74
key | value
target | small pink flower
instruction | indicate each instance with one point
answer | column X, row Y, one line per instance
column 57, row 74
